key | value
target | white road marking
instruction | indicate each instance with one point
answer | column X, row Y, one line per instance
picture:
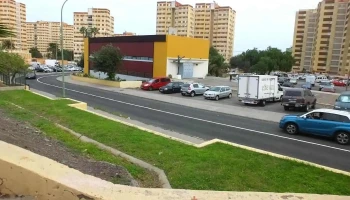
column 194, row 118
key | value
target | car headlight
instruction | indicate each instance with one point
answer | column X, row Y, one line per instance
column 165, row 88
column 146, row 84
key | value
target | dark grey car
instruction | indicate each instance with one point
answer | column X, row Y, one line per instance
column 343, row 102
column 298, row 98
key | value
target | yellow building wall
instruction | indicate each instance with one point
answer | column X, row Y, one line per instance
column 160, row 59
column 188, row 47
column 86, row 56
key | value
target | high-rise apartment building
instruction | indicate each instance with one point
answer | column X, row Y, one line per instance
column 99, row 18
column 305, row 31
column 329, row 35
column 205, row 20
column 217, row 24
column 40, row 34
column 13, row 15
column 175, row 19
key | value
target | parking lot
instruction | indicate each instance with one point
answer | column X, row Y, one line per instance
column 272, row 106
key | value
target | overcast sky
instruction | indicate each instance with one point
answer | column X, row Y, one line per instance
column 259, row 23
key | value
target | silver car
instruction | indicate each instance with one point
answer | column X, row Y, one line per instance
column 193, row 89
column 218, row 92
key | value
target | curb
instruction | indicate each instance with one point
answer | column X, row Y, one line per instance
column 161, row 175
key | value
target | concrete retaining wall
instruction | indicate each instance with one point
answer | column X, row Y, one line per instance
column 12, row 88
column 25, row 173
column 122, row 84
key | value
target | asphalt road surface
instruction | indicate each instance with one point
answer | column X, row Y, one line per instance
column 205, row 124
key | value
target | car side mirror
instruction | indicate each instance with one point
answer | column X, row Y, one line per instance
column 336, row 100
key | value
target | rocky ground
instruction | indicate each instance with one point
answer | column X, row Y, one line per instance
column 27, row 137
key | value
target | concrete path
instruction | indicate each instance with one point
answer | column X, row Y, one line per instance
column 209, row 106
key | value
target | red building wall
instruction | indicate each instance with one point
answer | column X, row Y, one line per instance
column 138, row 49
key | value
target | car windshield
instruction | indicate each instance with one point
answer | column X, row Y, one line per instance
column 151, row 81
column 169, row 85
column 292, row 93
column 344, row 98
column 216, row 89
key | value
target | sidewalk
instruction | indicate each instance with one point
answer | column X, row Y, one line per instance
column 209, row 106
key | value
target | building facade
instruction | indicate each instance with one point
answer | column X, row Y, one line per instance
column 155, row 55
column 13, row 15
column 99, row 18
column 327, row 28
column 175, row 19
column 41, row 33
column 206, row 21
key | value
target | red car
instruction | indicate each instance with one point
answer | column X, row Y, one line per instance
column 155, row 83
column 338, row 83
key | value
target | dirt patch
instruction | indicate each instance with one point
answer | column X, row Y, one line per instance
column 2, row 85
column 27, row 137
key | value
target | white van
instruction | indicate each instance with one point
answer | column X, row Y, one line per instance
column 311, row 79
column 321, row 78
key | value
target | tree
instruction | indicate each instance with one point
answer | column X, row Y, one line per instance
column 8, row 45
column 11, row 64
column 83, row 31
column 108, row 60
column 94, row 31
column 53, row 50
column 5, row 31
column 35, row 52
column 81, row 61
column 217, row 65
column 67, row 55
column 268, row 60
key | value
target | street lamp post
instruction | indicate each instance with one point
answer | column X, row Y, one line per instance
column 63, row 84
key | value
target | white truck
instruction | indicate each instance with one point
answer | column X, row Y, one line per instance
column 259, row 89
column 51, row 62
column 311, row 79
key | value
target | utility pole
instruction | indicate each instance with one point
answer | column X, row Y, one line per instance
column 347, row 82
column 63, row 83
column 56, row 50
column 178, row 64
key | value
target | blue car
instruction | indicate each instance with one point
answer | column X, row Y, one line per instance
column 322, row 122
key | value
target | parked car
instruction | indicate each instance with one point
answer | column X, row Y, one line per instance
column 339, row 83
column 172, row 87
column 328, row 88
column 193, row 89
column 323, row 122
column 31, row 75
column 281, row 80
column 343, row 101
column 307, row 85
column 324, row 84
column 298, row 98
column 155, row 83
column 218, row 92
column 294, row 81
column 288, row 84
column 46, row 69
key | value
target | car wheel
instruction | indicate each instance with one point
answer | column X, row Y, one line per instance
column 230, row 96
column 192, row 94
column 217, row 98
column 263, row 103
column 150, row 88
column 182, row 94
column 291, row 128
column 307, row 108
column 286, row 108
column 342, row 138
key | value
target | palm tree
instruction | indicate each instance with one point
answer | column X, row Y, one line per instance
column 5, row 31
column 94, row 31
column 52, row 49
column 83, row 31
column 8, row 44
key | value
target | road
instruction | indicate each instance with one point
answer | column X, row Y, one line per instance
column 205, row 124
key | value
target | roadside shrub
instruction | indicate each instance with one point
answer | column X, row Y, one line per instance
column 170, row 76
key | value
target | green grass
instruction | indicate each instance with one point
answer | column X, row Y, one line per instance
column 216, row 167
